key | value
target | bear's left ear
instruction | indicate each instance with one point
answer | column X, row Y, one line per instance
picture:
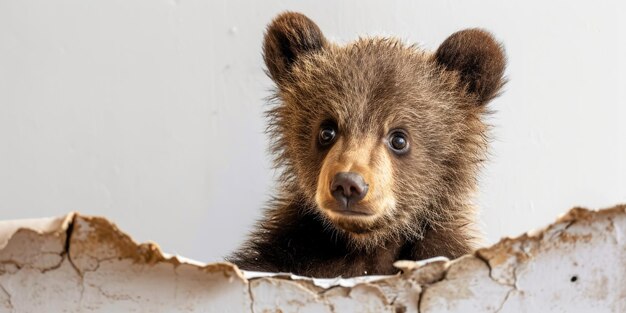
column 478, row 58
column 290, row 36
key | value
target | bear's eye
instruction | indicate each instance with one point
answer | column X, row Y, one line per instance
column 398, row 142
column 327, row 134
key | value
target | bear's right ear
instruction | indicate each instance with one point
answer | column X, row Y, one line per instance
column 478, row 58
column 288, row 37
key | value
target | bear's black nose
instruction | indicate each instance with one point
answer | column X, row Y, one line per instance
column 348, row 188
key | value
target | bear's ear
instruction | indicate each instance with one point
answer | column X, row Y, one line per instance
column 478, row 58
column 288, row 37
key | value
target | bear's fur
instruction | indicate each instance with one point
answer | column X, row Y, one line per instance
column 418, row 203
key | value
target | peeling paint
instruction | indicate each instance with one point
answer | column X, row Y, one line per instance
column 86, row 264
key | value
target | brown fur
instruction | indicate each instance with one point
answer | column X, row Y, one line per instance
column 421, row 199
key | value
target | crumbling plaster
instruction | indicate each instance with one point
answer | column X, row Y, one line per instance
column 77, row 263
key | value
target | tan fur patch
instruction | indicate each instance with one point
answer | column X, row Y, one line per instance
column 369, row 158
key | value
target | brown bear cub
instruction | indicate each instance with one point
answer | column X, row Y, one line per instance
column 379, row 144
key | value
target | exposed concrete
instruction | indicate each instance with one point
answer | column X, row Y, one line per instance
column 76, row 263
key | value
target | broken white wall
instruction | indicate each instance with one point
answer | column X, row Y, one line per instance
column 77, row 263
column 135, row 108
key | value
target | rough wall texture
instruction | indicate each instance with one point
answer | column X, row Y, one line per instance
column 77, row 263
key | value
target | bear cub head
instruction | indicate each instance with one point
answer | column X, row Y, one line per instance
column 377, row 138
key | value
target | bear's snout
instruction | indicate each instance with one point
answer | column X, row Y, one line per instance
column 348, row 188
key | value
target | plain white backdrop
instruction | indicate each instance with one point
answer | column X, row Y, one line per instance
column 150, row 112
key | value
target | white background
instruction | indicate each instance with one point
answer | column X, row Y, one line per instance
column 150, row 112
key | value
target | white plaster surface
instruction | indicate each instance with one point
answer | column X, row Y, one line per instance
column 135, row 108
column 577, row 264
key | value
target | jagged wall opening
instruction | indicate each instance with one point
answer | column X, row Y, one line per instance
column 77, row 263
